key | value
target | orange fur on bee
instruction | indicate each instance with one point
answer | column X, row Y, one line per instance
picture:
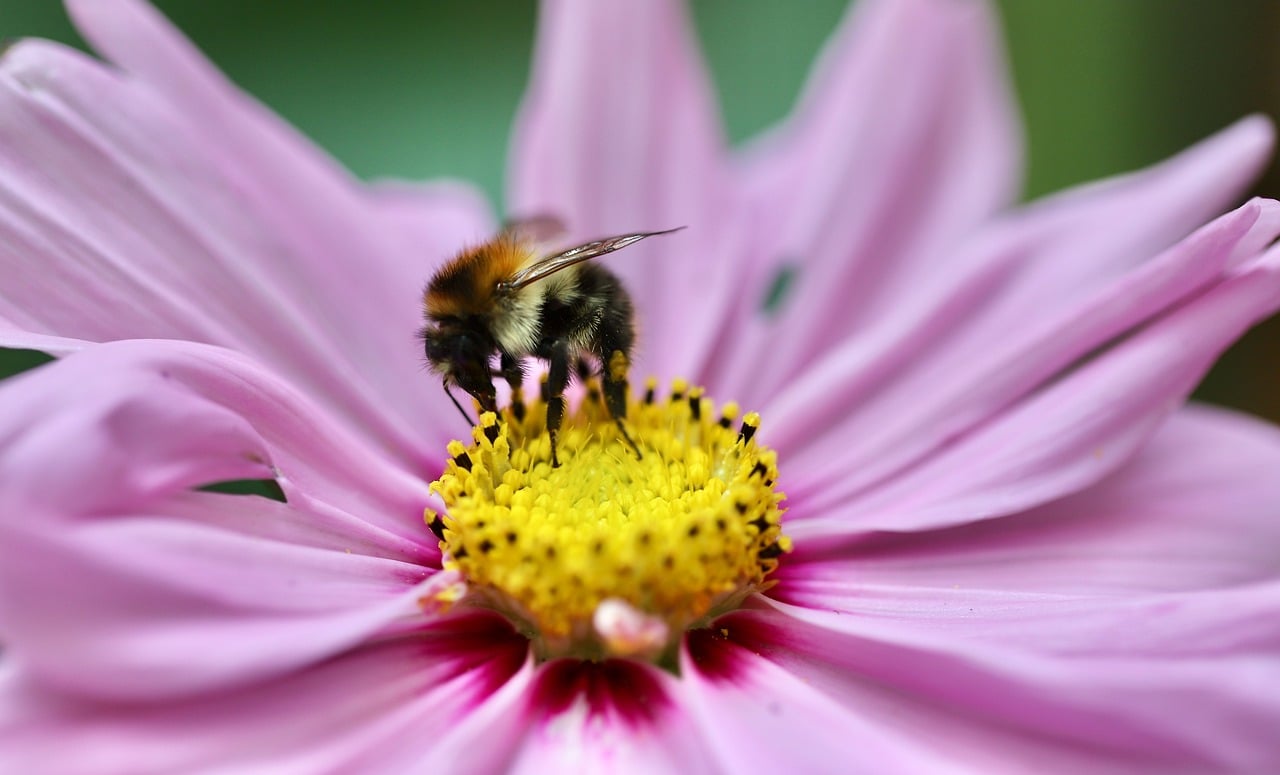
column 465, row 285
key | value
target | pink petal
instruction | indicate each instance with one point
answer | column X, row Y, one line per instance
column 130, row 212
column 1160, row 706
column 627, row 141
column 1032, row 296
column 147, row 606
column 615, row 716
column 438, row 219
column 444, row 698
column 131, row 421
column 1199, row 500
column 114, row 578
column 906, row 139
column 757, row 717
column 16, row 337
column 1061, row 439
column 81, row 436
column 1218, row 623
column 433, row 219
column 135, row 37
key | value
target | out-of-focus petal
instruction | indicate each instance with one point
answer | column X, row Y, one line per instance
column 1079, row 268
column 755, row 717
column 21, row 339
column 613, row 716
column 82, row 437
column 441, row 701
column 1196, row 509
column 619, row 133
column 142, row 606
column 1170, row 698
column 440, row 219
column 1061, row 439
column 111, row 428
column 116, row 577
column 127, row 212
column 432, row 219
column 906, row 139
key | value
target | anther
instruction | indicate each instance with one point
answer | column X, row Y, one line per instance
column 678, row 388
column 695, row 403
column 770, row 552
column 434, row 523
column 489, row 422
column 459, row 455
column 728, row 414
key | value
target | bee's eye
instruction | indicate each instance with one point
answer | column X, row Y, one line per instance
column 464, row 345
column 434, row 345
column 451, row 345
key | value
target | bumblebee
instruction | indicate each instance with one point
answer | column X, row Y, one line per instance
column 503, row 298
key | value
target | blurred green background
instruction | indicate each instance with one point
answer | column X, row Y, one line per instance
column 418, row 89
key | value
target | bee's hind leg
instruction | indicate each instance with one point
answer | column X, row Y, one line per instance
column 613, row 375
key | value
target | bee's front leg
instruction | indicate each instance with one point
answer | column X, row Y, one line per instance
column 513, row 373
column 557, row 380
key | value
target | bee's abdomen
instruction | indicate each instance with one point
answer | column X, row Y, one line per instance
column 596, row 315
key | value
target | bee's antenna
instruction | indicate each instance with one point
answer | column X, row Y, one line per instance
column 454, row 399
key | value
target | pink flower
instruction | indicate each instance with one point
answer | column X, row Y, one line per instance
column 1015, row 549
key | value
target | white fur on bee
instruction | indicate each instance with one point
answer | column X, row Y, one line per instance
column 516, row 325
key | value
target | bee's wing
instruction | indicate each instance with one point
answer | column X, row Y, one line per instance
column 548, row 266
column 540, row 229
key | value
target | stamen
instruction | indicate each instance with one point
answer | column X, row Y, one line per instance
column 459, row 455
column 612, row 553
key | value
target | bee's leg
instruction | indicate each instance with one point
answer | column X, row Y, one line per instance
column 557, row 380
column 614, row 376
column 513, row 373
column 487, row 397
column 488, row 403
column 466, row 417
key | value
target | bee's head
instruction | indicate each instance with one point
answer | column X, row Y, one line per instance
column 460, row 353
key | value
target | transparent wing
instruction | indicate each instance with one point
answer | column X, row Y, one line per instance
column 548, row 266
column 538, row 229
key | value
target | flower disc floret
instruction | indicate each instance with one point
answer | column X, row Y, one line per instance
column 675, row 535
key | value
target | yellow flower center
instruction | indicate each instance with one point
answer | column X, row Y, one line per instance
column 611, row 554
